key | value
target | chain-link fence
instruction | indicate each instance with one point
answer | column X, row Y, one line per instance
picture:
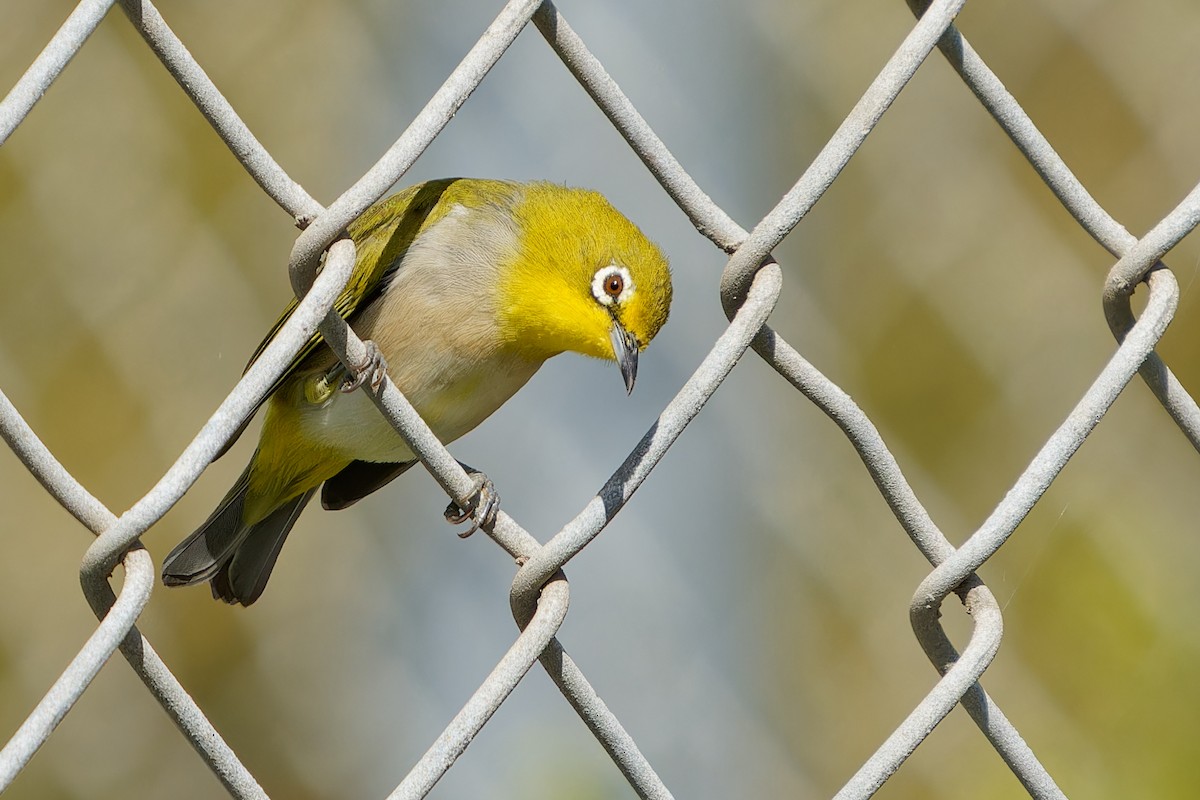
column 750, row 289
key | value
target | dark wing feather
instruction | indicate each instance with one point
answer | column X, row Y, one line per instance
column 358, row 480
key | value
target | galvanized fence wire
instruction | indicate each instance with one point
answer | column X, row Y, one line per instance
column 750, row 287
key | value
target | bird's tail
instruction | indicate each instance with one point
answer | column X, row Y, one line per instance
column 235, row 556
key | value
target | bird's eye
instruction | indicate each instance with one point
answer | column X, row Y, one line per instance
column 612, row 284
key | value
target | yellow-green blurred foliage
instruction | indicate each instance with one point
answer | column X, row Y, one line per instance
column 746, row 616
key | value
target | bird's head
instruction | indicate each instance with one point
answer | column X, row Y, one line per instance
column 584, row 279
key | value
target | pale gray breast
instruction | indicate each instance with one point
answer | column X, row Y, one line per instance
column 435, row 325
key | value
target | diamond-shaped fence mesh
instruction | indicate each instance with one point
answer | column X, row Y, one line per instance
column 999, row 375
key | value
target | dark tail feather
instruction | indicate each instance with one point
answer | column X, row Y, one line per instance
column 243, row 577
column 198, row 557
column 236, row 557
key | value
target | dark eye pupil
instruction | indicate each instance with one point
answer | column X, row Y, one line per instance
column 614, row 285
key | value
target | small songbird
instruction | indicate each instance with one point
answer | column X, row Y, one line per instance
column 464, row 287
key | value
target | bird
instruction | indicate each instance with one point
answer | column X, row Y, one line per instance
column 461, row 288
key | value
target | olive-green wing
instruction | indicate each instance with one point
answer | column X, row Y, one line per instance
column 381, row 235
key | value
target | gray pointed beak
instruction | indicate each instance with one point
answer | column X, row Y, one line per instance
column 625, row 350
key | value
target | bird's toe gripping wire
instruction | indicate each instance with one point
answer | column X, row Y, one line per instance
column 371, row 369
column 481, row 506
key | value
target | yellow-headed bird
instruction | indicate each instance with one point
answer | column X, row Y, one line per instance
column 465, row 287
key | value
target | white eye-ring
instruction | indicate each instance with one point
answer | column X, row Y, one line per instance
column 612, row 284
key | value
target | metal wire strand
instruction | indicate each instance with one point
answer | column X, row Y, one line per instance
column 54, row 57
column 1077, row 200
column 118, row 614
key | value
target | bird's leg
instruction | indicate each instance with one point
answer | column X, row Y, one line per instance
column 371, row 369
column 481, row 506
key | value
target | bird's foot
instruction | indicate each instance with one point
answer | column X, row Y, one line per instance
column 481, row 506
column 371, row 369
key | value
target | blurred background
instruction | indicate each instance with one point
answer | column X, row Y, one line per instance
column 746, row 615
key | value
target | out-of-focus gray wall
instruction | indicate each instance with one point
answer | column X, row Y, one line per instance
column 746, row 615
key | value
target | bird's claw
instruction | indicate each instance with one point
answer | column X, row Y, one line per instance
column 481, row 506
column 371, row 369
